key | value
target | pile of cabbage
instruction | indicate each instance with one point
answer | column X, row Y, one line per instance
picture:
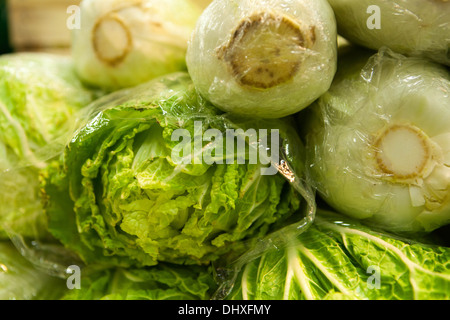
column 242, row 149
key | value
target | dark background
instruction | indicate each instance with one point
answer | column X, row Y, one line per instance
column 5, row 46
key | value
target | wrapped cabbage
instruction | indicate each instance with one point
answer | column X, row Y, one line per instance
column 164, row 282
column 338, row 258
column 20, row 280
column 40, row 96
column 411, row 27
column 146, row 179
column 125, row 43
column 378, row 143
column 268, row 58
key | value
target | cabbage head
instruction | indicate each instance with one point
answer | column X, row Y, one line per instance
column 120, row 196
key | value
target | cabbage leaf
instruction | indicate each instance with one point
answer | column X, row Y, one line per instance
column 338, row 258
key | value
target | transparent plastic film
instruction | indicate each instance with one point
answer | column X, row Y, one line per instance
column 125, row 43
column 289, row 162
column 261, row 38
column 271, row 58
column 378, row 145
column 339, row 258
column 181, row 182
column 47, row 257
column 40, row 97
column 20, row 280
column 416, row 28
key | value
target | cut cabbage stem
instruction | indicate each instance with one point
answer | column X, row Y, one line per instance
column 111, row 39
column 403, row 152
column 121, row 44
column 266, row 50
column 265, row 58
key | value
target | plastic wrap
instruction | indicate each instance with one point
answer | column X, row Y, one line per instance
column 378, row 142
column 127, row 192
column 124, row 43
column 411, row 27
column 162, row 282
column 268, row 58
column 40, row 97
column 340, row 259
column 34, row 270
column 20, row 280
